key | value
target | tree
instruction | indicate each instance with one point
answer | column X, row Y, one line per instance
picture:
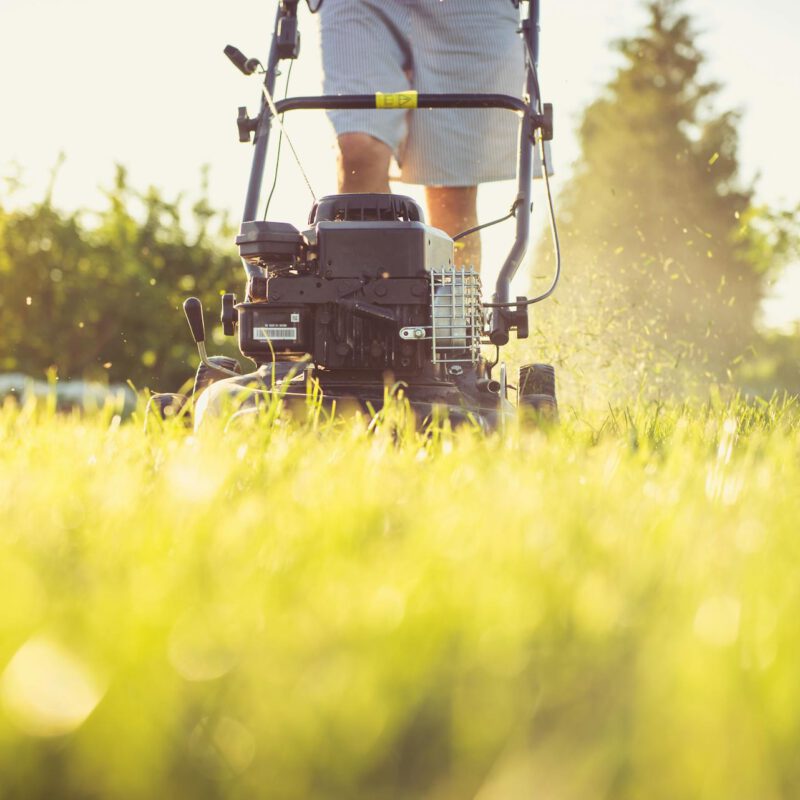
column 659, row 250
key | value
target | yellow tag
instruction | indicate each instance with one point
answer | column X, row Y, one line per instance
column 396, row 100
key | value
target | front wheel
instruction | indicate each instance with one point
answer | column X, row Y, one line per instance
column 206, row 376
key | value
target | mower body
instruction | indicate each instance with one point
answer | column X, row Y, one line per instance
column 365, row 302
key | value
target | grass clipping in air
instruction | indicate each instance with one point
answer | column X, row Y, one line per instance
column 608, row 608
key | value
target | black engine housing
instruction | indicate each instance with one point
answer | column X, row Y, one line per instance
column 340, row 291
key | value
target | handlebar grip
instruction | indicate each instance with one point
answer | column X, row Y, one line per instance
column 245, row 65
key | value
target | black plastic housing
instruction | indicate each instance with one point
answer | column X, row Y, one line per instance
column 267, row 329
column 381, row 249
column 288, row 37
column 265, row 243
column 366, row 207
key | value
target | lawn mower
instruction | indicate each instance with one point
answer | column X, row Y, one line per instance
column 367, row 300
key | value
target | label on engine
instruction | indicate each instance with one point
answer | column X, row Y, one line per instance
column 284, row 333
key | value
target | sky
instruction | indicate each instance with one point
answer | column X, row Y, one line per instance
column 145, row 84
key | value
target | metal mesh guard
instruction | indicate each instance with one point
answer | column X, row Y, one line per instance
column 456, row 315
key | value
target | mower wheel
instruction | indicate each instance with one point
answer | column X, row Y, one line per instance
column 538, row 408
column 537, row 393
column 206, row 376
column 536, row 379
column 166, row 405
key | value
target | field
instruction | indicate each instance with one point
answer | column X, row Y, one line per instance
column 606, row 609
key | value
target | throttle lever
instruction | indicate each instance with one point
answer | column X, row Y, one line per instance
column 193, row 309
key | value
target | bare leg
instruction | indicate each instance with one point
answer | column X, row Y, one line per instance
column 363, row 163
column 364, row 167
column 454, row 209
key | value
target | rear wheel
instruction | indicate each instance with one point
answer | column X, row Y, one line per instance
column 539, row 406
column 537, row 392
column 537, row 379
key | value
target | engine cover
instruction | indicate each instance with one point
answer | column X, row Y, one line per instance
column 381, row 249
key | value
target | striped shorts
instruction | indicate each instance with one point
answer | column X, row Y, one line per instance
column 430, row 46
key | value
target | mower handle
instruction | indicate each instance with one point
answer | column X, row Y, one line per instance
column 404, row 101
column 503, row 318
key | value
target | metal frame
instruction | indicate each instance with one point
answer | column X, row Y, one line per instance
column 531, row 120
column 456, row 316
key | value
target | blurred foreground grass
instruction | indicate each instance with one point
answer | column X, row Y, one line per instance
column 610, row 609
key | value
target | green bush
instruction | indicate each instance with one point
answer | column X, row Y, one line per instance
column 101, row 298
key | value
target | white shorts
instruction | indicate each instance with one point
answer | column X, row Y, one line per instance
column 435, row 46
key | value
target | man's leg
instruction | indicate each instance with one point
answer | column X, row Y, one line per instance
column 363, row 163
column 454, row 209
column 364, row 167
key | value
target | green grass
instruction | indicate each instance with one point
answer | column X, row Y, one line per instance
column 609, row 609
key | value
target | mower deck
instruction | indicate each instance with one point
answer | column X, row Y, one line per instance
column 460, row 404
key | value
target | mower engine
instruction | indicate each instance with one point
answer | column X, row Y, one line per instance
column 367, row 289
